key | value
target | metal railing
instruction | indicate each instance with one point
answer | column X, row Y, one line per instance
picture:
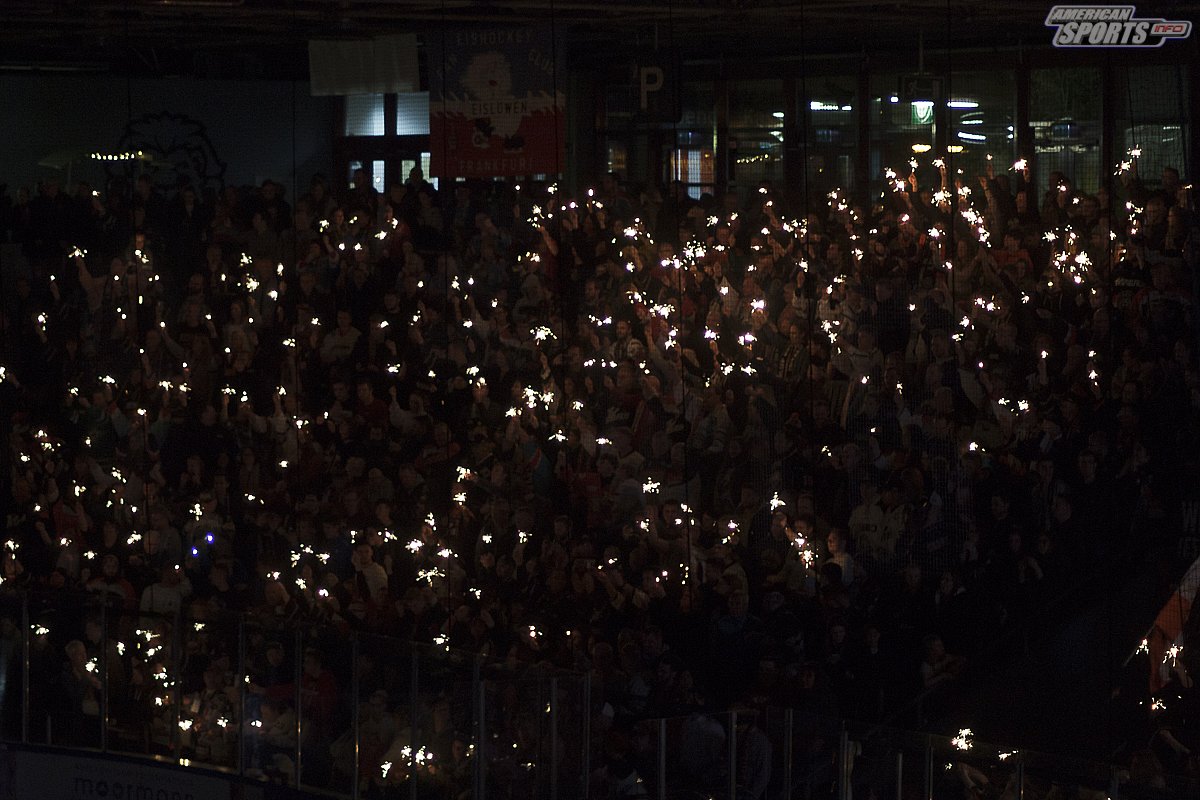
column 327, row 711
column 312, row 707
column 773, row 754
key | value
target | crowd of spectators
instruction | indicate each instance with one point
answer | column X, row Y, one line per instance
column 750, row 451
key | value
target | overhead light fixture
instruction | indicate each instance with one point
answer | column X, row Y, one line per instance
column 128, row 156
column 777, row 114
column 198, row 3
column 962, row 104
column 817, row 105
column 54, row 66
column 971, row 122
column 894, row 99
column 971, row 137
column 922, row 148
column 954, row 148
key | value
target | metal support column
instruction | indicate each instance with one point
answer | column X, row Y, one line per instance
column 414, row 689
column 240, row 719
column 355, row 719
column 1109, row 135
column 26, row 633
column 928, row 793
column 662, row 759
column 844, row 764
column 587, row 732
column 103, row 677
column 1024, row 132
column 789, row 721
column 721, row 157
column 298, row 651
column 862, row 155
column 733, row 715
column 552, row 708
column 173, row 680
column 480, row 734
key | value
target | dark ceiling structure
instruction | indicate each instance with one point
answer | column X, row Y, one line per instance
column 266, row 38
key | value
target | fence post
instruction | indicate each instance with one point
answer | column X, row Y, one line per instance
column 104, row 677
column 480, row 733
column 900, row 774
column 355, row 720
column 552, row 707
column 733, row 755
column 928, row 768
column 844, row 764
column 26, row 634
column 789, row 745
column 173, row 680
column 662, row 759
column 298, row 649
column 414, row 688
column 240, row 719
column 587, row 732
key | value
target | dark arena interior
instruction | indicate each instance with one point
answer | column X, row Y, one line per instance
column 598, row 399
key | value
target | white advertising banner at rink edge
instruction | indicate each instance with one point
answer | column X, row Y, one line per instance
column 70, row 776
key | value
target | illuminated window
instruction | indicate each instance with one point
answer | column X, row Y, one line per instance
column 755, row 133
column 831, row 140
column 364, row 115
column 1151, row 116
column 412, row 114
column 378, row 173
column 694, row 168
column 1064, row 111
column 981, row 111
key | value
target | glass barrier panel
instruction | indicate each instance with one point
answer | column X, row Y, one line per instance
column 209, row 693
column 446, row 684
column 567, row 719
column 815, row 747
column 878, row 761
column 64, row 694
column 377, row 711
column 371, row 716
column 515, row 758
column 138, row 660
column 964, row 767
column 411, row 744
column 13, row 639
column 326, row 711
column 697, row 756
column 269, row 709
column 775, row 724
